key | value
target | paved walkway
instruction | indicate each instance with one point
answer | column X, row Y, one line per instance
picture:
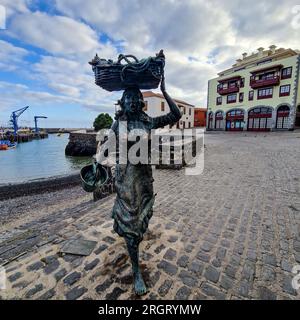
column 231, row 233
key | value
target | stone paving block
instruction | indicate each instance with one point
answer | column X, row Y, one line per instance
column 72, row 278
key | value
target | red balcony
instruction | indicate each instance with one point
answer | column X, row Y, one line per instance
column 223, row 91
column 274, row 81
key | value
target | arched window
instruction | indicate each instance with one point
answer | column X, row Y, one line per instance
column 219, row 120
column 260, row 119
column 235, row 120
column 210, row 120
column 282, row 118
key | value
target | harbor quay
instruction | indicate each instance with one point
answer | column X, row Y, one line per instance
column 232, row 232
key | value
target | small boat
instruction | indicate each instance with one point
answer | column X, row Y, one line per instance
column 7, row 145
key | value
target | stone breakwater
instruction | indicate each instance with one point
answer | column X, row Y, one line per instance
column 81, row 143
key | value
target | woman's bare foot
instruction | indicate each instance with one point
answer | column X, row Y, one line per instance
column 139, row 284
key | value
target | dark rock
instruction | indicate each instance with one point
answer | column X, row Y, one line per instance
column 115, row 294
column 39, row 287
column 15, row 276
column 105, row 285
column 216, row 263
column 231, row 271
column 206, row 246
column 266, row 294
column 81, row 144
column 159, row 249
column 47, row 295
column 226, row 282
column 165, row 287
column 35, row 266
column 109, row 240
column 203, row 256
column 212, row 291
column 183, row 293
column 183, row 261
column 244, row 288
column 212, row 274
column 188, row 278
column 77, row 262
column 173, row 239
column 75, row 293
column 196, row 267
column 51, row 267
column 169, row 268
column 101, row 248
column 153, row 279
column 221, row 253
column 60, row 274
column 287, row 286
column 72, row 278
column 270, row 259
column 170, row 254
column 49, row 259
column 189, row 248
column 91, row 265
column 21, row 284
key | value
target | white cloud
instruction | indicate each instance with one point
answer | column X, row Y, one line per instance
column 55, row 34
column 11, row 57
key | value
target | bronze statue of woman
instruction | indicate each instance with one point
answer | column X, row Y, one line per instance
column 134, row 182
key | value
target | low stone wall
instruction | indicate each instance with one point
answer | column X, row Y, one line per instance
column 81, row 143
column 8, row 191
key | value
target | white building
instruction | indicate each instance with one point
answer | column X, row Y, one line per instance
column 156, row 105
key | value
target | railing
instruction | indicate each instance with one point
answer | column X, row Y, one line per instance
column 223, row 91
column 264, row 82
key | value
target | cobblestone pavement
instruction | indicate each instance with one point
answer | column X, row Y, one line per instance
column 231, row 233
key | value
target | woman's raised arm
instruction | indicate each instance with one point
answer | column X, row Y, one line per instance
column 170, row 118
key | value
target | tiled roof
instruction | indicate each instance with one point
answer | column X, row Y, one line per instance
column 148, row 94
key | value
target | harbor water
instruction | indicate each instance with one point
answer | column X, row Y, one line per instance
column 39, row 159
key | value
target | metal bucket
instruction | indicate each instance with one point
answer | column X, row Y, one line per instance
column 93, row 176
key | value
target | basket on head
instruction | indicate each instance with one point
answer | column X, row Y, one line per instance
column 93, row 176
column 115, row 76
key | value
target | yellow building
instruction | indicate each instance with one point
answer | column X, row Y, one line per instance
column 260, row 92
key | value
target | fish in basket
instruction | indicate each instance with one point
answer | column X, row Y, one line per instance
column 115, row 76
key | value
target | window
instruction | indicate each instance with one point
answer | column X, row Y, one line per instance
column 285, row 90
column 286, row 73
column 265, row 93
column 241, row 97
column 162, row 106
column 190, row 111
column 145, row 106
column 267, row 76
column 219, row 100
column 242, row 82
column 231, row 98
column 232, row 84
column 251, row 94
column 184, row 110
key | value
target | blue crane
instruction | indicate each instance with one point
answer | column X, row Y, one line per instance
column 36, row 129
column 14, row 118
